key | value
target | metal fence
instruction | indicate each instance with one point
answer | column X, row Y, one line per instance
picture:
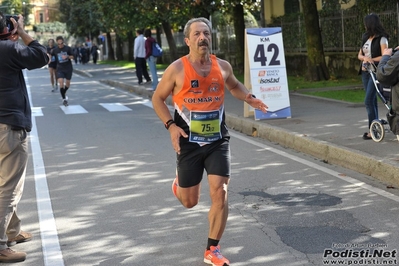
column 341, row 31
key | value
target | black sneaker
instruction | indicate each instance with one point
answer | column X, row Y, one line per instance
column 366, row 136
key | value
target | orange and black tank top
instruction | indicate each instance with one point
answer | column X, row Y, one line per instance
column 199, row 106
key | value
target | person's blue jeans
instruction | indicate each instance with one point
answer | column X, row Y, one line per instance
column 370, row 100
column 152, row 64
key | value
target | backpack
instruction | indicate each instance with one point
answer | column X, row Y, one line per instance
column 156, row 50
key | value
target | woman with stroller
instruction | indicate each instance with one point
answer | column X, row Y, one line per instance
column 374, row 42
column 388, row 74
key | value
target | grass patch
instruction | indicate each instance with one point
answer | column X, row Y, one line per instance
column 127, row 64
column 124, row 64
column 297, row 83
column 353, row 95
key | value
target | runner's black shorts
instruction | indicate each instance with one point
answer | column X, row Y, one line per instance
column 64, row 74
column 215, row 158
column 52, row 65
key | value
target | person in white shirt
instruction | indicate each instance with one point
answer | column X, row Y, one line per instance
column 139, row 57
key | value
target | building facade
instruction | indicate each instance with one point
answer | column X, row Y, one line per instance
column 35, row 11
column 277, row 8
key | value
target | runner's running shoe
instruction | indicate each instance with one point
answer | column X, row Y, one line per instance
column 214, row 257
column 65, row 101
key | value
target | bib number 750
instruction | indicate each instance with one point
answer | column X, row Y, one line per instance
column 260, row 56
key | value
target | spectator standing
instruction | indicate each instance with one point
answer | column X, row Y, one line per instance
column 64, row 56
column 52, row 66
column 151, row 60
column 15, row 122
column 94, row 52
column 84, row 53
column 76, row 54
column 139, row 57
column 374, row 41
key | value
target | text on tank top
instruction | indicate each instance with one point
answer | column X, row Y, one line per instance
column 199, row 106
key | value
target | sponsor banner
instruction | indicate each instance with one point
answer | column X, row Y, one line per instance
column 268, row 73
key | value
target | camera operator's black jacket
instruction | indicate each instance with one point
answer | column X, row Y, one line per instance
column 388, row 75
column 14, row 102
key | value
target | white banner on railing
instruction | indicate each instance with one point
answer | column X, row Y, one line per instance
column 268, row 75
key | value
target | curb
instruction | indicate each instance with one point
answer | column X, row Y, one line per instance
column 83, row 73
column 327, row 152
column 325, row 99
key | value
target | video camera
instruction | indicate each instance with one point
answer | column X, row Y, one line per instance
column 9, row 23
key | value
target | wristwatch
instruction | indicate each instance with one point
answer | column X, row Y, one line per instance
column 169, row 123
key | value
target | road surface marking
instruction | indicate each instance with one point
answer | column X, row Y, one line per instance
column 115, row 107
column 52, row 254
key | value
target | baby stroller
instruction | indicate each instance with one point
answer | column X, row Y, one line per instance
column 379, row 126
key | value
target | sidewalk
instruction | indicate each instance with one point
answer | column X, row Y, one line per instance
column 326, row 129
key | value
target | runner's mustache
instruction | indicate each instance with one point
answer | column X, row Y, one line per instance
column 203, row 42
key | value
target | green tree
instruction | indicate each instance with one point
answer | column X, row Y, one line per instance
column 122, row 19
column 170, row 16
column 16, row 7
column 82, row 19
column 12, row 7
column 317, row 68
column 237, row 10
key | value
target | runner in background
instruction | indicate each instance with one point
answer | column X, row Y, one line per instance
column 52, row 66
column 64, row 55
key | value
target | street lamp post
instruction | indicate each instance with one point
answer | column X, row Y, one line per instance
column 24, row 4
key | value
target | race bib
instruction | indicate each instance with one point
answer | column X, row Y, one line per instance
column 63, row 57
column 205, row 126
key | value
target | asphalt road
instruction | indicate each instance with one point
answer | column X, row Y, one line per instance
column 98, row 192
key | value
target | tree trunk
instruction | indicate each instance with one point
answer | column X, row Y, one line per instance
column 239, row 29
column 130, row 39
column 317, row 68
column 119, row 48
column 171, row 41
column 111, row 54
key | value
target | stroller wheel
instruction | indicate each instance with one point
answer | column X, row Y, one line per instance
column 377, row 131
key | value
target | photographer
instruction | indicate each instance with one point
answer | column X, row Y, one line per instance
column 15, row 122
column 388, row 74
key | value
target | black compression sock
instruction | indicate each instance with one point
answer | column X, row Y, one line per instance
column 62, row 91
column 212, row 242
